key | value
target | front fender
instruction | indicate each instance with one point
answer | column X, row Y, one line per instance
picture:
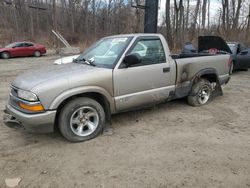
column 81, row 90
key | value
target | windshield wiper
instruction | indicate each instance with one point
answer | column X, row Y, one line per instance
column 82, row 60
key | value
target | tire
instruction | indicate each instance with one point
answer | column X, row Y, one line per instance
column 37, row 53
column 200, row 93
column 81, row 119
column 5, row 55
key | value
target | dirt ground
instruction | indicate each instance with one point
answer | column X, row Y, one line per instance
column 171, row 145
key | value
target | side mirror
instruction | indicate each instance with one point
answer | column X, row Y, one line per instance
column 131, row 59
column 244, row 52
column 13, row 46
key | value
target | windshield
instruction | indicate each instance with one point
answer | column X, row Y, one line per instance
column 11, row 45
column 106, row 52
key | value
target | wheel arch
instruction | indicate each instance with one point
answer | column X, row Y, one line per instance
column 99, row 97
column 7, row 52
column 209, row 74
column 37, row 50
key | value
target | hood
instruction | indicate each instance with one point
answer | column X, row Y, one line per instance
column 60, row 75
column 206, row 43
column 4, row 49
column 65, row 60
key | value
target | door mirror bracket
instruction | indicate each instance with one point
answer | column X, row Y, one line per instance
column 131, row 59
column 244, row 52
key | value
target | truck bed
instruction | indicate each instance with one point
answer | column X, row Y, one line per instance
column 187, row 68
column 190, row 66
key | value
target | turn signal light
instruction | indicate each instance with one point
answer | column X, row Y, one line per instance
column 33, row 108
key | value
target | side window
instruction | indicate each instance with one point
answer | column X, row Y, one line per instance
column 18, row 45
column 150, row 51
column 28, row 44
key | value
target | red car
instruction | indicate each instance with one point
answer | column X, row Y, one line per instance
column 22, row 49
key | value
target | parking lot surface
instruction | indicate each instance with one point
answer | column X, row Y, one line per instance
column 170, row 145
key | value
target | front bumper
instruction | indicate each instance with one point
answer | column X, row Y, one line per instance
column 39, row 123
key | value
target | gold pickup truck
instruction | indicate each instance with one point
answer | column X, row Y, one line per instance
column 116, row 74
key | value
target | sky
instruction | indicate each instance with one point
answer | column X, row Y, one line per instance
column 214, row 7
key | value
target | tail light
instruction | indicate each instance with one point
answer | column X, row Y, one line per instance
column 229, row 62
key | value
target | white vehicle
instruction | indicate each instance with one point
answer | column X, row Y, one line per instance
column 65, row 60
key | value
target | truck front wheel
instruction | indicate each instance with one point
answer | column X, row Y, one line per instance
column 81, row 119
column 200, row 93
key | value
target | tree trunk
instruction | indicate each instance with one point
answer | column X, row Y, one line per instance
column 208, row 15
column 54, row 21
column 168, row 24
column 225, row 18
column 237, row 14
column 187, row 15
column 204, row 13
column 72, row 15
column 193, row 25
column 248, row 25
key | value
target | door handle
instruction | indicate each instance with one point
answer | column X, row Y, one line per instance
column 166, row 69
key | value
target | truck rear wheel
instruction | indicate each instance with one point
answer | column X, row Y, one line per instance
column 81, row 119
column 200, row 93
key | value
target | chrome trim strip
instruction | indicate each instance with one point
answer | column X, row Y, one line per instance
column 144, row 92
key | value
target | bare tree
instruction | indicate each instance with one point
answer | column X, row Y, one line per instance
column 187, row 15
column 179, row 12
column 85, row 20
column 208, row 15
column 236, row 15
column 195, row 17
column 168, row 24
column 248, row 24
column 204, row 13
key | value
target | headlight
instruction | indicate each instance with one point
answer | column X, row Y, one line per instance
column 26, row 95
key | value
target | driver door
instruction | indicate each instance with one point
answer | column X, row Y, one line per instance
column 18, row 50
column 242, row 57
column 144, row 83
